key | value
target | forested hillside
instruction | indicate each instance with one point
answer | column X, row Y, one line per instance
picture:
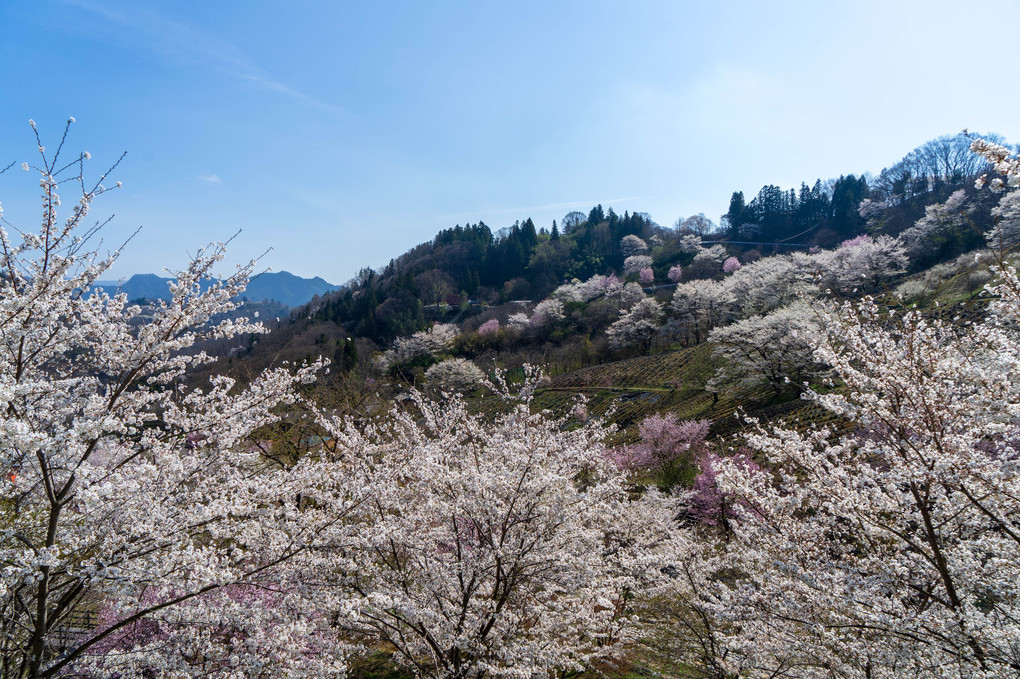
column 471, row 272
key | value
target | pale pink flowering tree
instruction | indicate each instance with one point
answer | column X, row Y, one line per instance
column 707, row 503
column 668, row 446
column 731, row 265
column 675, row 273
column 862, row 263
column 895, row 552
column 596, row 287
column 646, row 276
column 489, row 328
column 606, row 285
column 496, row 546
column 105, row 503
column 862, row 239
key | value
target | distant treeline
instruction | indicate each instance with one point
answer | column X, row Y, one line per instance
column 827, row 212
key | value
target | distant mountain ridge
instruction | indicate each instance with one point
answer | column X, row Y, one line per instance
column 281, row 286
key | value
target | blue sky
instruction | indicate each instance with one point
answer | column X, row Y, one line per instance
column 340, row 134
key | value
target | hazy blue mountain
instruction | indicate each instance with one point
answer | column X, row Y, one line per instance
column 283, row 287
column 286, row 288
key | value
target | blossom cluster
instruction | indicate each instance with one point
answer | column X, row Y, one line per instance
column 431, row 342
column 498, row 546
column 886, row 547
column 129, row 493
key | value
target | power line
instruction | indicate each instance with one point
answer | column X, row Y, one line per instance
column 741, row 242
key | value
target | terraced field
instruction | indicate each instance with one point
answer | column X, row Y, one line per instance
column 628, row 391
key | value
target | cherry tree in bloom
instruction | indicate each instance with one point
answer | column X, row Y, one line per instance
column 1006, row 233
column 454, row 374
column 892, row 550
column 489, row 328
column 632, row 245
column 770, row 350
column 497, row 547
column 862, row 263
column 714, row 255
column 707, row 503
column 547, row 311
column 638, row 326
column 517, row 321
column 646, row 276
column 431, row 342
column 105, row 503
column 939, row 220
column 689, row 243
column 769, row 283
column 675, row 272
column 583, row 292
column 667, row 446
column 635, row 263
column 731, row 265
column 626, row 296
column 698, row 306
column 1003, row 161
column 601, row 286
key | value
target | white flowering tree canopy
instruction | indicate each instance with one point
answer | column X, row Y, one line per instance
column 770, row 350
column 698, row 306
column 770, row 283
column 1006, row 232
column 548, row 311
column 431, row 342
column 497, row 547
column 892, row 550
column 715, row 254
column 583, row 292
column 454, row 374
column 862, row 263
column 634, row 264
column 633, row 245
column 137, row 524
column 638, row 326
column 517, row 321
column 938, row 220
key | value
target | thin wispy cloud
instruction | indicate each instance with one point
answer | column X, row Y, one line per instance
column 177, row 42
column 212, row 178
